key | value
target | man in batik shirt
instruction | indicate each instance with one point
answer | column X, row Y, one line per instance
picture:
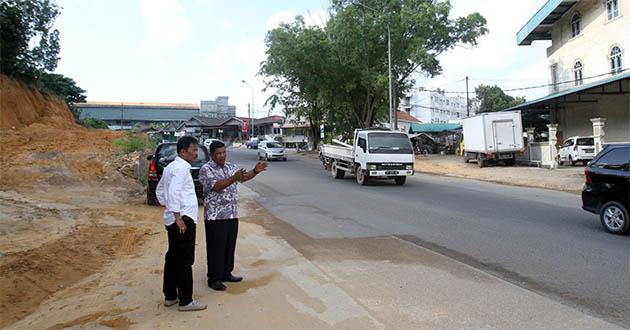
column 219, row 179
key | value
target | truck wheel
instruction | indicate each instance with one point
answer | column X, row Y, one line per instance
column 614, row 218
column 362, row 177
column 481, row 162
column 336, row 173
column 510, row 162
column 465, row 158
column 152, row 200
column 400, row 180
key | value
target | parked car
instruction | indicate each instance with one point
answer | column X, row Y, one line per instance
column 269, row 150
column 577, row 149
column 607, row 187
column 164, row 154
column 252, row 143
column 208, row 142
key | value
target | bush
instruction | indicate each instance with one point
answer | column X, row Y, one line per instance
column 93, row 123
column 134, row 142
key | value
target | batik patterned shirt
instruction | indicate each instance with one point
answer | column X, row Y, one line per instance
column 219, row 205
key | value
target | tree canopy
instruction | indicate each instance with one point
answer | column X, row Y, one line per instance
column 492, row 98
column 337, row 74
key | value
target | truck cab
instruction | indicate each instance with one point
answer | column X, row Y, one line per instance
column 374, row 154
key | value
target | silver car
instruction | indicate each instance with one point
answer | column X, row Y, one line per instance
column 269, row 150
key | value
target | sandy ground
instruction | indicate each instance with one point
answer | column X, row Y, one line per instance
column 293, row 281
column 566, row 178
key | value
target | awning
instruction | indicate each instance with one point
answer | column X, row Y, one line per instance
column 539, row 26
column 587, row 93
column 434, row 128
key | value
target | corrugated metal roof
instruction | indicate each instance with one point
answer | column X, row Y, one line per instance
column 90, row 104
column 570, row 91
column 539, row 26
column 433, row 128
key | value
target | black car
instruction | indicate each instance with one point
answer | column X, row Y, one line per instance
column 164, row 154
column 607, row 187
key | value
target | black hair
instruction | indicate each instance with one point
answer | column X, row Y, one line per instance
column 185, row 142
column 216, row 145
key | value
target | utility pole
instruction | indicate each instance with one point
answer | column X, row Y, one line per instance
column 249, row 114
column 251, row 120
column 121, row 116
column 467, row 99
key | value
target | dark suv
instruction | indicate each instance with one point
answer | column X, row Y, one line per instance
column 607, row 187
column 164, row 154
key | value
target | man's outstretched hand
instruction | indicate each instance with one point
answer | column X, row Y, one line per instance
column 261, row 166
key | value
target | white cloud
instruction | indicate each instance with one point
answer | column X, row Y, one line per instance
column 166, row 22
column 311, row 18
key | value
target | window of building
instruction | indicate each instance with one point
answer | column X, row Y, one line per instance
column 612, row 7
column 615, row 60
column 576, row 23
column 578, row 73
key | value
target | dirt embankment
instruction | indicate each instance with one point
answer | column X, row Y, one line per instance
column 65, row 209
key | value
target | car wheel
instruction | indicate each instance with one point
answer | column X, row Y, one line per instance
column 559, row 159
column 571, row 161
column 284, row 159
column 152, row 200
column 336, row 173
column 400, row 180
column 614, row 218
column 361, row 176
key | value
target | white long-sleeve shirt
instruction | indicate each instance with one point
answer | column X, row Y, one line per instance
column 176, row 191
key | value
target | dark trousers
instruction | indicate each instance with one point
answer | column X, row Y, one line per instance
column 220, row 246
column 178, row 278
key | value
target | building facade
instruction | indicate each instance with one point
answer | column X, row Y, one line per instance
column 218, row 108
column 589, row 40
column 435, row 107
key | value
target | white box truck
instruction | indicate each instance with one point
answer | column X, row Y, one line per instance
column 375, row 153
column 493, row 137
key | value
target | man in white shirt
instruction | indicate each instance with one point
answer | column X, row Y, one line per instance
column 176, row 191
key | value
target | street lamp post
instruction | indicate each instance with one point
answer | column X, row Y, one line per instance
column 393, row 122
column 251, row 121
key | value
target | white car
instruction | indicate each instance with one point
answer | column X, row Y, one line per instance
column 208, row 142
column 577, row 149
column 269, row 150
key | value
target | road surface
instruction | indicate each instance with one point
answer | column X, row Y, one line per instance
column 537, row 239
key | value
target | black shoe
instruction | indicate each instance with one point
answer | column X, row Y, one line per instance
column 216, row 285
column 232, row 278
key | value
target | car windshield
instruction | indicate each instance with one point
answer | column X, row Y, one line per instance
column 168, row 152
column 388, row 143
column 273, row 145
column 586, row 142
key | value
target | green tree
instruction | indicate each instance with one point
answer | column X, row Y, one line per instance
column 338, row 75
column 30, row 45
column 61, row 85
column 492, row 98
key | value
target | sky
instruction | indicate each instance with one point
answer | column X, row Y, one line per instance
column 184, row 51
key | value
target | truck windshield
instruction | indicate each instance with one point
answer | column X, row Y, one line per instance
column 388, row 143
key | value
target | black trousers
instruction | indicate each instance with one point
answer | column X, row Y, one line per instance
column 220, row 246
column 178, row 278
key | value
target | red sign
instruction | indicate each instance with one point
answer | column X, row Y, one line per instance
column 245, row 128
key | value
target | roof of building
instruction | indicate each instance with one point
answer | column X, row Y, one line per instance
column 433, row 128
column 188, row 106
column 539, row 26
column 209, row 122
column 614, row 83
column 403, row 116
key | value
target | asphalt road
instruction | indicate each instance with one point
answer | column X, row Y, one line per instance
column 537, row 239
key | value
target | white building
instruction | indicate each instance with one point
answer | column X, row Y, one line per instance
column 435, row 107
column 589, row 39
column 218, row 108
column 588, row 70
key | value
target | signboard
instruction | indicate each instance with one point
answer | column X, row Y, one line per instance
column 179, row 134
column 245, row 128
column 321, row 131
